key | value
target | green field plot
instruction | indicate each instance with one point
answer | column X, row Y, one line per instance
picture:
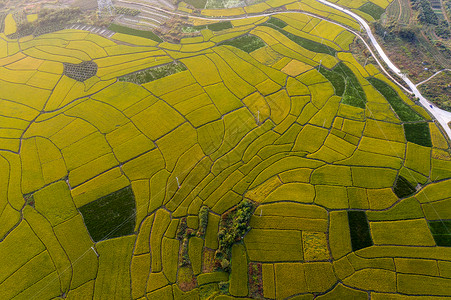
column 372, row 9
column 130, row 31
column 247, row 43
column 247, row 156
column 418, row 133
column 360, row 231
column 110, row 216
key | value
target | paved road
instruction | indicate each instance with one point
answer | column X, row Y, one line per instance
column 442, row 116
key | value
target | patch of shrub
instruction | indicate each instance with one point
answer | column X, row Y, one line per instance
column 232, row 228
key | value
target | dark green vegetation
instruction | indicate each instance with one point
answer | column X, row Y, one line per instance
column 418, row 133
column 232, row 228
column 335, row 78
column 213, row 27
column 220, row 26
column 403, row 187
column 303, row 42
column 200, row 4
column 402, row 109
column 110, row 216
column 441, row 231
column 345, row 84
column 425, row 12
column 135, row 32
column 372, row 9
column 81, row 71
column 155, row 73
column 360, row 230
column 247, row 43
column 203, row 221
column 49, row 20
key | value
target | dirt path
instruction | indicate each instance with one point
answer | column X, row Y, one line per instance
column 424, row 81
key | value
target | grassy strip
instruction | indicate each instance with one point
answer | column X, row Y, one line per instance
column 403, row 187
column 360, row 230
column 345, row 84
column 404, row 111
column 247, row 43
column 155, row 73
column 131, row 31
column 418, row 133
column 441, row 232
column 372, row 9
column 303, row 42
column 110, row 216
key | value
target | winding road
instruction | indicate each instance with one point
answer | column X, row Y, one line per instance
column 442, row 116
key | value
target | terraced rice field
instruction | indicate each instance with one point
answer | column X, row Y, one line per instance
column 265, row 163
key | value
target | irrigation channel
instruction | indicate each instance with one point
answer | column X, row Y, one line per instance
column 442, row 116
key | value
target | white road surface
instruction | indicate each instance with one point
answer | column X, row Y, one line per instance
column 442, row 116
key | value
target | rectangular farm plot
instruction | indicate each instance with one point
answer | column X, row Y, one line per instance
column 405, row 232
column 157, row 120
column 110, row 216
column 274, row 245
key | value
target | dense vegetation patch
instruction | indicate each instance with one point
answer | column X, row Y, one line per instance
column 360, row 230
column 131, row 31
column 425, row 12
column 345, row 84
column 110, row 216
column 154, row 73
column 247, row 43
column 372, row 9
column 403, row 187
column 418, row 133
column 81, row 71
column 232, row 228
column 303, row 42
column 402, row 109
column 441, row 231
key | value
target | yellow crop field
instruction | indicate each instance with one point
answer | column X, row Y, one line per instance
column 223, row 161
